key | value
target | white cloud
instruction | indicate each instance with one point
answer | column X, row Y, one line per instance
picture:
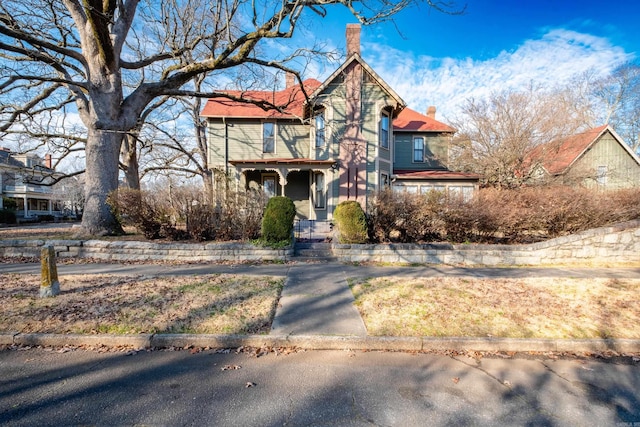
column 553, row 59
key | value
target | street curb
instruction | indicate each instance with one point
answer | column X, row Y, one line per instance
column 319, row 342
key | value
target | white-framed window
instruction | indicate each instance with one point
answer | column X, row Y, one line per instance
column 601, row 177
column 464, row 192
column 269, row 185
column 384, row 130
column 320, row 130
column 268, row 137
column 411, row 189
column 320, row 199
column 418, row 149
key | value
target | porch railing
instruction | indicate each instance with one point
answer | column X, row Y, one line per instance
column 312, row 230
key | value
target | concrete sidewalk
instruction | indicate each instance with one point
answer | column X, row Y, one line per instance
column 316, row 309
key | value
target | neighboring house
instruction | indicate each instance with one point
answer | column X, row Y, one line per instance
column 21, row 178
column 597, row 158
column 352, row 137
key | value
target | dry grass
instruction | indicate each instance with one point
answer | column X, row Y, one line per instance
column 61, row 231
column 515, row 308
column 215, row 304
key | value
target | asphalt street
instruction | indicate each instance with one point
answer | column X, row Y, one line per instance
column 47, row 387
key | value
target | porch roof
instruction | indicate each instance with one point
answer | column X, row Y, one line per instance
column 432, row 175
column 283, row 161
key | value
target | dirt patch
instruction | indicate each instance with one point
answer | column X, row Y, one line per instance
column 213, row 304
column 512, row 308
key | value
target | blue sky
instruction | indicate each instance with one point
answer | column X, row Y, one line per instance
column 439, row 59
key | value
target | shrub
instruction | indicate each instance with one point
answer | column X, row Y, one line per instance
column 277, row 222
column 133, row 207
column 7, row 216
column 494, row 215
column 9, row 203
column 351, row 222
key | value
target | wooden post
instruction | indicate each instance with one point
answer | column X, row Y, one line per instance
column 49, row 285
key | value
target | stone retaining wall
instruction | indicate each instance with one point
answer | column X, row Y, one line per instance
column 144, row 251
column 619, row 244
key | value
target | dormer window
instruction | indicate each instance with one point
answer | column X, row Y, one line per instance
column 320, row 130
column 384, row 130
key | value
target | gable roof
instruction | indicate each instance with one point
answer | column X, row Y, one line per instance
column 411, row 121
column 558, row 156
column 355, row 57
column 291, row 98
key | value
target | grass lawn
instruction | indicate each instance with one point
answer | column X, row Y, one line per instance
column 213, row 304
column 515, row 308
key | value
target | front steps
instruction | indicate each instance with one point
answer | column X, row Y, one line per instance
column 318, row 252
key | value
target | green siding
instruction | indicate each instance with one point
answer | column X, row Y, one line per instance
column 216, row 144
column 436, row 147
column 622, row 170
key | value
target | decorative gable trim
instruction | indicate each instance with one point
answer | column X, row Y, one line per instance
column 355, row 57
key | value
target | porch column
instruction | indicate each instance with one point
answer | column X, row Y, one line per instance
column 50, row 206
column 26, row 205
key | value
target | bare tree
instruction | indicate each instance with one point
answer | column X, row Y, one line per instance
column 496, row 136
column 617, row 100
column 113, row 58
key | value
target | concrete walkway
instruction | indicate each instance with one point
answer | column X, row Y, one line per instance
column 316, row 300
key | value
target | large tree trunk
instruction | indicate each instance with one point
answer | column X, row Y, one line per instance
column 101, row 178
column 129, row 159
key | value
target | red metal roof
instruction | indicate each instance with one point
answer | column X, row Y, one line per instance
column 435, row 174
column 557, row 156
column 411, row 121
column 292, row 99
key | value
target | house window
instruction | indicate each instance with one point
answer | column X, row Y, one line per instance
column 320, row 134
column 319, row 190
column 461, row 192
column 412, row 189
column 601, row 178
column 268, row 137
column 384, row 130
column 418, row 149
column 269, row 185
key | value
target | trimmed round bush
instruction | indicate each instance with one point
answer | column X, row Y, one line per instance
column 351, row 222
column 277, row 222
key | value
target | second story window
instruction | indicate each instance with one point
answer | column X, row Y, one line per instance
column 268, row 137
column 418, row 149
column 320, row 134
column 384, row 130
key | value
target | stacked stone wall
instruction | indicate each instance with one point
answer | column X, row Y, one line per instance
column 618, row 244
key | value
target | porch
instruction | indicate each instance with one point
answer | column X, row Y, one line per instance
column 308, row 183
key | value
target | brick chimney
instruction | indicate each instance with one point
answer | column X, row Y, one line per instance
column 353, row 39
column 47, row 161
column 431, row 112
column 289, row 80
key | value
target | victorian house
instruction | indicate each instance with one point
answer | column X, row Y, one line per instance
column 350, row 136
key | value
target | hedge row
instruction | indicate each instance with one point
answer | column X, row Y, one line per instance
column 497, row 216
